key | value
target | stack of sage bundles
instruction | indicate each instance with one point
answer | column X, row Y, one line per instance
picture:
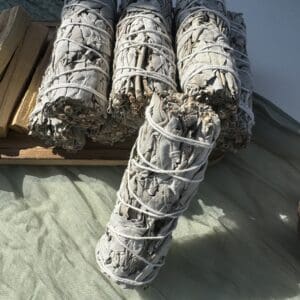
column 206, row 63
column 166, row 165
column 144, row 62
column 241, row 136
column 72, row 101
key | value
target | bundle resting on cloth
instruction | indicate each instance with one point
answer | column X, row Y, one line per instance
column 210, row 63
column 72, row 101
column 166, row 166
column 144, row 62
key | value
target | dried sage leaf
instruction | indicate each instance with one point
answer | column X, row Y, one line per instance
column 144, row 63
column 166, row 165
column 72, row 100
column 240, row 136
column 206, row 63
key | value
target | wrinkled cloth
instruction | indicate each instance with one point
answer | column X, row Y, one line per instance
column 238, row 240
column 40, row 10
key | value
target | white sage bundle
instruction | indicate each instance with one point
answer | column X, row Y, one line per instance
column 241, row 135
column 167, row 164
column 206, row 63
column 144, row 62
column 73, row 100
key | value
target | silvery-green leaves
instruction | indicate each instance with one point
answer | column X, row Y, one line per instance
column 72, row 102
column 206, row 63
column 166, row 165
column 144, row 63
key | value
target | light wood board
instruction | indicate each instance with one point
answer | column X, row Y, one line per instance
column 20, row 149
column 13, row 25
column 19, row 71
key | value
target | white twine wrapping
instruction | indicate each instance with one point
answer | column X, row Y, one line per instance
column 215, row 68
column 192, row 13
column 144, row 63
column 124, row 43
column 98, row 53
column 182, row 175
column 65, row 86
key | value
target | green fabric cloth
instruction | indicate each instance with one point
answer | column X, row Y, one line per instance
column 238, row 240
column 40, row 10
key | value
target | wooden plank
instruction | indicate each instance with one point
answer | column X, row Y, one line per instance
column 20, row 120
column 13, row 25
column 70, row 162
column 23, row 149
column 19, row 71
column 20, row 149
column 51, row 25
